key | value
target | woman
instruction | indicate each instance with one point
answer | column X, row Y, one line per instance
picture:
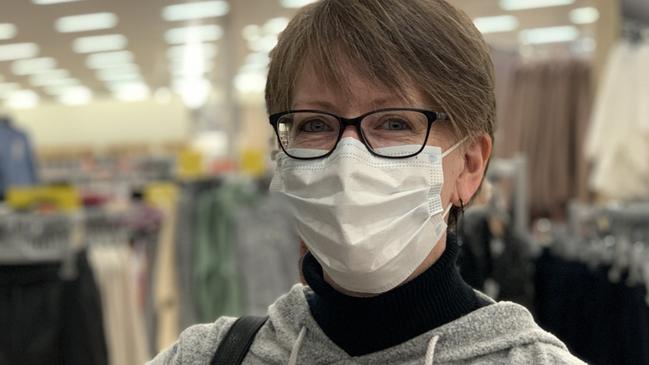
column 384, row 110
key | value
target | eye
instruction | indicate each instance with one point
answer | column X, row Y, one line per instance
column 395, row 124
column 315, row 126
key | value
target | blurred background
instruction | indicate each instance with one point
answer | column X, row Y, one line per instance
column 135, row 157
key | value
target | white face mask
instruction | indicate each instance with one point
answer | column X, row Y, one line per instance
column 369, row 221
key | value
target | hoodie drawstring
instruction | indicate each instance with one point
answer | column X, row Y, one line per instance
column 430, row 353
column 292, row 360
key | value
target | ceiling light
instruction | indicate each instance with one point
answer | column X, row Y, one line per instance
column 195, row 10
column 275, row 25
column 7, row 88
column 493, row 24
column 194, row 91
column 86, row 22
column 16, row 51
column 251, row 32
column 111, row 75
column 49, row 2
column 258, row 58
column 209, row 51
column 100, row 43
column 510, row 5
column 247, row 83
column 109, row 59
column 120, row 67
column 263, row 44
column 45, row 78
column 7, row 31
column 22, row 99
column 135, row 91
column 296, row 3
column 566, row 33
column 585, row 15
column 199, row 33
column 76, row 96
column 58, row 82
column 33, row 65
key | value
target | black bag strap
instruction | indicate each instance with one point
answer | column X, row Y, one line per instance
column 236, row 343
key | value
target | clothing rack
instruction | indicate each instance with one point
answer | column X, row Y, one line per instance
column 615, row 236
column 635, row 31
column 54, row 237
column 516, row 170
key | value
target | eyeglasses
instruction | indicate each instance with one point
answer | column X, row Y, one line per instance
column 389, row 133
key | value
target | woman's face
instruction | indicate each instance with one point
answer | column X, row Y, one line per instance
column 312, row 93
column 463, row 168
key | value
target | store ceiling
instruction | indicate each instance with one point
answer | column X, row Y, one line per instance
column 139, row 28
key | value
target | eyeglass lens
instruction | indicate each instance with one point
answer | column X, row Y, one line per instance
column 311, row 134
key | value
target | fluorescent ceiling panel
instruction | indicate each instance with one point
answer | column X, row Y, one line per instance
column 109, row 59
column 264, row 44
column 567, row 33
column 33, row 66
column 275, row 25
column 100, row 43
column 60, row 82
column 130, row 91
column 496, row 24
column 75, row 96
column 208, row 51
column 45, row 77
column 7, row 88
column 584, row 15
column 22, row 99
column 296, row 3
column 194, row 34
column 16, row 51
column 510, row 5
column 86, row 22
column 109, row 75
column 195, row 10
column 7, row 31
column 121, row 67
column 50, row 2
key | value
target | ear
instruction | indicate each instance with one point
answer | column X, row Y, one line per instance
column 476, row 157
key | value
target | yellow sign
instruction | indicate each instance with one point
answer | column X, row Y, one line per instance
column 190, row 164
column 61, row 198
column 161, row 194
column 253, row 161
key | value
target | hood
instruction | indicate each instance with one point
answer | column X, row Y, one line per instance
column 491, row 329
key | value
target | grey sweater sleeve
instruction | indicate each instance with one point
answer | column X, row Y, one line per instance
column 196, row 345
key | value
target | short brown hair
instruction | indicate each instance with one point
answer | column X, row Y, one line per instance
column 428, row 44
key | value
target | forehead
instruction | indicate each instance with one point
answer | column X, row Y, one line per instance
column 355, row 91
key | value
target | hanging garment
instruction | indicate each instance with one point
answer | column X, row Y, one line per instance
column 16, row 158
column 125, row 334
column 47, row 320
column 217, row 281
column 618, row 139
column 600, row 322
column 546, row 120
column 267, row 252
column 166, row 291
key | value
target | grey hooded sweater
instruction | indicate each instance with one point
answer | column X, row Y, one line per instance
column 501, row 333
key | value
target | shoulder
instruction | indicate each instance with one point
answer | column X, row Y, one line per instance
column 542, row 354
column 196, row 345
column 502, row 332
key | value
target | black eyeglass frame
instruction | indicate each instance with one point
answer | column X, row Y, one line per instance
column 432, row 117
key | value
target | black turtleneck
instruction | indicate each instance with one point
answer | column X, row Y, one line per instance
column 365, row 325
